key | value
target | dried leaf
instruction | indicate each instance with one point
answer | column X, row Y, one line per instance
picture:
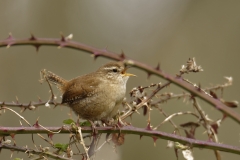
column 232, row 104
column 170, row 144
column 214, row 95
column 187, row 154
column 118, row 139
column 190, row 124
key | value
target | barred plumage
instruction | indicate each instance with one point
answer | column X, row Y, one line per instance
column 57, row 80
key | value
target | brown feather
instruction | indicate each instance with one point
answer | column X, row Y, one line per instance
column 57, row 80
column 80, row 88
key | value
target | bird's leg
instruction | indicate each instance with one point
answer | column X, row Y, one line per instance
column 93, row 145
column 107, row 122
column 111, row 123
column 94, row 130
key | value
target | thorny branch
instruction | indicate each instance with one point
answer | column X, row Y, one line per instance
column 127, row 130
column 32, row 152
column 31, row 105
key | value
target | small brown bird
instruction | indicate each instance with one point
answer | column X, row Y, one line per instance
column 97, row 95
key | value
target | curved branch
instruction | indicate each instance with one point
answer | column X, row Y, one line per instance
column 126, row 130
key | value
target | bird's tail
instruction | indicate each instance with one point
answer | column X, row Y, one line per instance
column 53, row 78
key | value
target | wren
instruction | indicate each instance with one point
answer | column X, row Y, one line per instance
column 94, row 96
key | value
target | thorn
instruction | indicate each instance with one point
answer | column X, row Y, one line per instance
column 37, row 46
column 148, row 75
column 199, row 87
column 131, row 116
column 10, row 37
column 23, row 109
column 149, row 127
column 63, row 41
column 174, row 132
column 158, row 67
column 122, row 55
column 95, row 55
column 12, row 135
column 17, row 102
column 39, row 99
column 141, row 137
column 154, row 140
column 37, row 124
column 224, row 116
column 50, row 135
column 62, row 37
column 32, row 38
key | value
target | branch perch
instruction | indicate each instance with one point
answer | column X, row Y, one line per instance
column 126, row 130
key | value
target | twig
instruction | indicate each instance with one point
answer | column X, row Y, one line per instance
column 82, row 142
column 166, row 115
column 35, row 152
column 208, row 127
column 50, row 130
column 106, row 141
column 210, row 130
column 146, row 100
column 171, row 96
column 45, row 140
column 16, row 114
column 176, row 114
column 27, row 105
column 51, row 90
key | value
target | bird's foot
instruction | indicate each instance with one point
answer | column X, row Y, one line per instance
column 94, row 128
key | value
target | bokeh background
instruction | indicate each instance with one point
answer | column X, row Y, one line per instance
column 165, row 31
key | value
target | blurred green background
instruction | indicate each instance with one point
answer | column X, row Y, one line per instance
column 165, row 31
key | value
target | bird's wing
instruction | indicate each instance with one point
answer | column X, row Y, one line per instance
column 79, row 88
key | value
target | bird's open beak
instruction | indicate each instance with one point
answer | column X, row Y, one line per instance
column 127, row 74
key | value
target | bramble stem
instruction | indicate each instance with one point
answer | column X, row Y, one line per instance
column 126, row 130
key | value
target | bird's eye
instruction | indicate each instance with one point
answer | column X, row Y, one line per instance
column 115, row 70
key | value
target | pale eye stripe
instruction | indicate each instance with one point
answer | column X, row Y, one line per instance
column 110, row 68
